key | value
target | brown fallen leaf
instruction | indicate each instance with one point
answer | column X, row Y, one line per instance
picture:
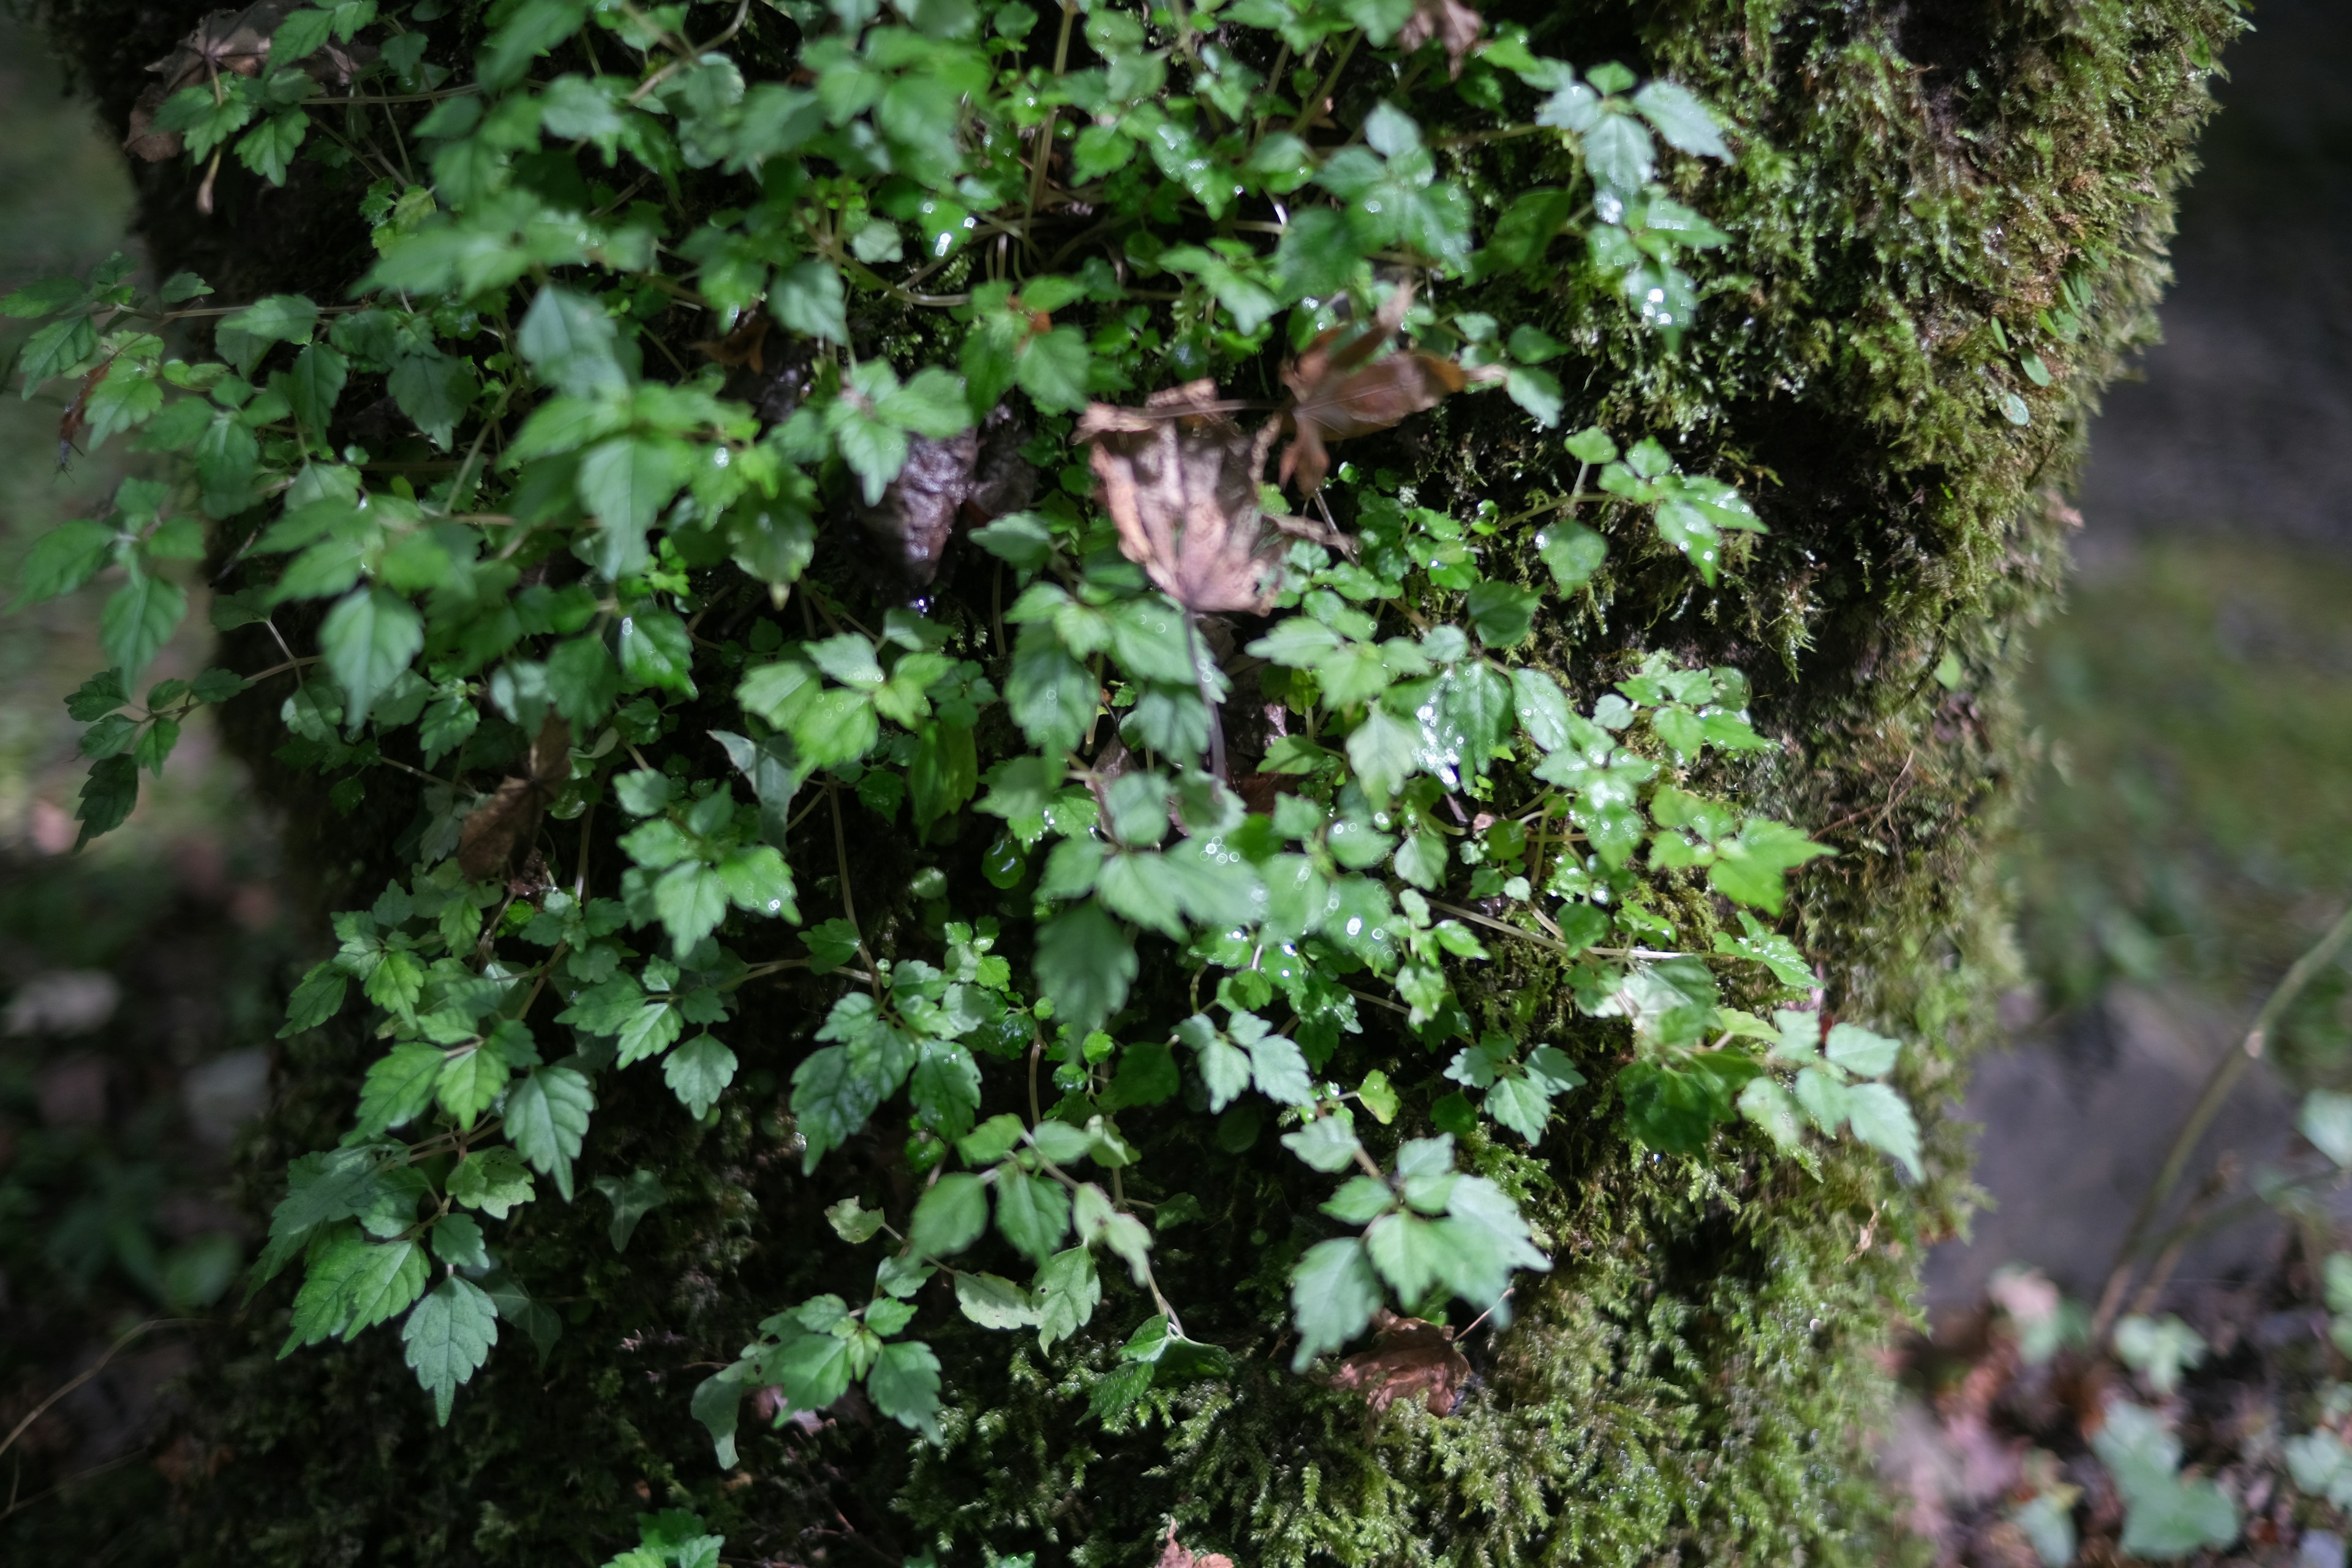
column 238, row 42
column 1411, row 1358
column 1176, row 1555
column 739, row 347
column 493, row 831
column 1339, row 390
column 1180, row 479
column 1450, row 22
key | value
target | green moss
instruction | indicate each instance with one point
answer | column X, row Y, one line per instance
column 1693, row 1381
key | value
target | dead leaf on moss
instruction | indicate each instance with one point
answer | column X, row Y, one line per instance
column 1180, row 479
column 493, row 832
column 1450, row 22
column 1176, row 1555
column 1339, row 390
column 1409, row 1360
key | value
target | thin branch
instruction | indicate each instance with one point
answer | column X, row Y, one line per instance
column 2217, row 1087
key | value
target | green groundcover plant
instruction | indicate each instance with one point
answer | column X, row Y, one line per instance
column 550, row 598
column 992, row 497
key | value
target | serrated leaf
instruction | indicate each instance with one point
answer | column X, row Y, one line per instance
column 546, row 1116
column 447, row 1338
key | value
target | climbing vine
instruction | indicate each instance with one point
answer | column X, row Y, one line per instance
column 924, row 414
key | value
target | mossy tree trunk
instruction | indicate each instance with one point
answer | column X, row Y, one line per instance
column 1928, row 186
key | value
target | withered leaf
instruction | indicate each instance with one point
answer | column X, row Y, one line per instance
column 1409, row 1359
column 1335, row 394
column 1176, row 1555
column 509, row 820
column 1450, row 22
column 1180, row 479
column 236, row 41
column 739, row 347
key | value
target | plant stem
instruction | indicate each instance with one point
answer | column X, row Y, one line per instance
column 2217, row 1087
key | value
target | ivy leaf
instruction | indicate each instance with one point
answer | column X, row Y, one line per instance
column 447, row 1338
column 367, row 641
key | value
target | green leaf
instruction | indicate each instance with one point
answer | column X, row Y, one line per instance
column 314, row 385
column 447, row 1338
column 905, row 1383
column 2165, row 1516
column 995, row 1302
column 1681, row 118
column 367, row 641
column 572, row 344
column 1086, row 963
column 1333, row 1295
column 1503, row 613
column 399, row 1088
column 2326, row 1120
column 631, row 1199
column 62, row 559
column 434, row 390
column 1327, row 1143
column 138, row 620
column 1032, row 1213
column 546, row 1116
column 244, row 335
column 1066, row 1292
column 1536, row 391
column 1879, row 1117
column 269, row 147
column 624, row 481
column 949, row 1217
column 699, row 1072
column 526, row 31
column 2158, row 1349
column 807, row 297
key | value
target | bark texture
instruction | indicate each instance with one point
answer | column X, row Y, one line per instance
column 1921, row 180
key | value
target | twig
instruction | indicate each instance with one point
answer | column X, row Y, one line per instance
column 79, row 1379
column 848, row 903
column 2218, row 1085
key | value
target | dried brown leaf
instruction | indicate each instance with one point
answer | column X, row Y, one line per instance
column 739, row 347
column 493, row 832
column 1449, row 21
column 1411, row 1358
column 1176, row 1555
column 1339, row 390
column 234, row 41
column 1180, row 479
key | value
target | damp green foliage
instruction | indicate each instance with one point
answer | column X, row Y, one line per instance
column 780, row 944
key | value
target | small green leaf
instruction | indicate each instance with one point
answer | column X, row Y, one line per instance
column 367, row 641
column 447, row 1338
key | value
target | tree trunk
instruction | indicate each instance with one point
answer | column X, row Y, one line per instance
column 1928, row 186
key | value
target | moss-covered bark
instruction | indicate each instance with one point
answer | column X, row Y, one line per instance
column 1925, row 189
